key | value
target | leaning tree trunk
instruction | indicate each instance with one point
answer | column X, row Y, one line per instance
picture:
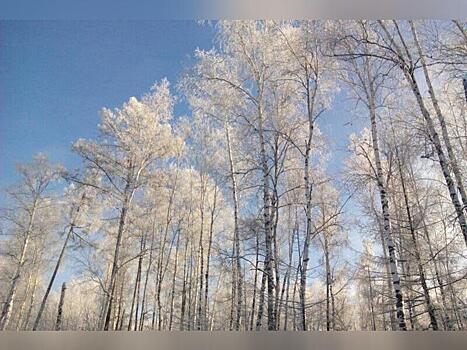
column 447, row 141
column 410, row 77
column 442, row 161
column 58, row 322
column 127, row 196
column 52, row 278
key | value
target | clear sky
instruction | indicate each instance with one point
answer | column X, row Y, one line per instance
column 56, row 76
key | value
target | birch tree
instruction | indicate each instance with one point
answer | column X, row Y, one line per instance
column 30, row 196
column 132, row 139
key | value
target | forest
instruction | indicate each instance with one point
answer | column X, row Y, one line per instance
column 239, row 216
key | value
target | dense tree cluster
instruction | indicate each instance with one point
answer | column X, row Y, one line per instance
column 228, row 219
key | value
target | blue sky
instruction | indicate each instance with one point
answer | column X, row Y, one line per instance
column 56, row 76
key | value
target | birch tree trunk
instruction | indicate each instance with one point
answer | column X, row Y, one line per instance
column 233, row 288
column 464, row 82
column 328, row 284
column 410, row 77
column 286, row 281
column 255, row 283
column 146, row 279
column 135, row 288
column 384, row 203
column 174, row 277
column 370, row 297
column 208, row 256
column 333, row 304
column 310, row 96
column 127, row 196
column 259, row 317
column 387, row 278
column 275, row 222
column 52, row 278
column 447, row 321
column 296, row 281
column 190, row 287
column 421, row 270
column 161, row 264
column 451, row 154
column 199, row 319
column 138, row 282
column 185, row 274
column 406, row 269
column 8, row 305
column 58, row 322
column 267, row 220
column 20, row 321
column 120, row 312
column 238, row 271
column 31, row 301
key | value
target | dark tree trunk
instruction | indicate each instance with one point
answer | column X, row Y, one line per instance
column 58, row 322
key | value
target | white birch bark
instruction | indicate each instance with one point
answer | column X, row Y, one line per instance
column 409, row 75
column 238, row 268
column 442, row 122
column 8, row 305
